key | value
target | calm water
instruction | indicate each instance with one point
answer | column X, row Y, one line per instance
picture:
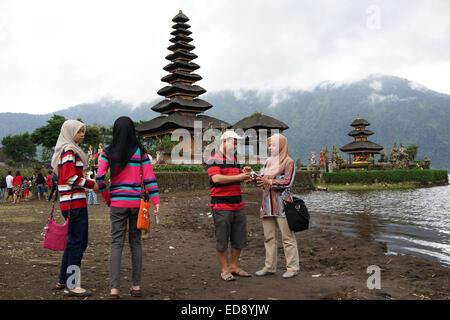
column 414, row 221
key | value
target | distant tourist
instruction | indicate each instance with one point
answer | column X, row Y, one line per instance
column 276, row 178
column 54, row 189
column 40, row 183
column 17, row 187
column 69, row 159
column 230, row 221
column 9, row 186
column 92, row 194
column 124, row 158
column 2, row 187
column 48, row 184
column 26, row 188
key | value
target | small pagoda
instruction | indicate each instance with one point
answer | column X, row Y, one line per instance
column 361, row 148
column 181, row 106
column 258, row 121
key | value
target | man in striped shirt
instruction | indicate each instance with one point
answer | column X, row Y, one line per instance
column 230, row 221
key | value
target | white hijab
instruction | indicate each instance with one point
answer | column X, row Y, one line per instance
column 68, row 132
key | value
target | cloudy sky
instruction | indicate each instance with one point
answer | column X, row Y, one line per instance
column 56, row 54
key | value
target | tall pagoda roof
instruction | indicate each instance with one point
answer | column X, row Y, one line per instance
column 181, row 106
column 176, row 120
column 260, row 121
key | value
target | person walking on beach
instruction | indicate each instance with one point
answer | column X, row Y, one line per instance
column 18, row 187
column 9, row 186
column 69, row 161
column 125, row 157
column 40, row 183
column 276, row 178
column 230, row 221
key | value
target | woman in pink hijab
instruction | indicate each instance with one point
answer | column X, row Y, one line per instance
column 276, row 178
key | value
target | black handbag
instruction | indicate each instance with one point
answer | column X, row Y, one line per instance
column 296, row 214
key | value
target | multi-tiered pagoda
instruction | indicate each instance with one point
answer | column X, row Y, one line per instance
column 181, row 106
column 361, row 148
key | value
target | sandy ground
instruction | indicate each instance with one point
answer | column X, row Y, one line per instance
column 332, row 266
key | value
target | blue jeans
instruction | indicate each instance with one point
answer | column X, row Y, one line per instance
column 77, row 240
column 2, row 193
column 92, row 195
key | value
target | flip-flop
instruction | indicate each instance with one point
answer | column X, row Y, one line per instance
column 226, row 276
column 241, row 273
column 71, row 293
column 136, row 293
column 115, row 296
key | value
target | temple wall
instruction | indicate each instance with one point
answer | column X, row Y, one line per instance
column 178, row 181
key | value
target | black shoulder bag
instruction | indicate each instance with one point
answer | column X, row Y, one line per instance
column 296, row 214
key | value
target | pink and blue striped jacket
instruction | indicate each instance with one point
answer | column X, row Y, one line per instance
column 125, row 188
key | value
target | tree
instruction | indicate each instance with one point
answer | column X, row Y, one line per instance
column 19, row 147
column 48, row 135
column 412, row 151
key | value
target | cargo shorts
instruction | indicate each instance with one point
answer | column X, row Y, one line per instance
column 230, row 226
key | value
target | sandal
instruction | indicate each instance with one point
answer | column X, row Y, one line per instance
column 115, row 296
column 60, row 286
column 72, row 293
column 226, row 276
column 241, row 273
column 136, row 293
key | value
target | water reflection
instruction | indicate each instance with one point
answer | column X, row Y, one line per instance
column 413, row 221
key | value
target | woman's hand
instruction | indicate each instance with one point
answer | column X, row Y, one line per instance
column 96, row 188
column 156, row 211
column 262, row 181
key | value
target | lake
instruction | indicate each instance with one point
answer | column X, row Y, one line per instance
column 410, row 221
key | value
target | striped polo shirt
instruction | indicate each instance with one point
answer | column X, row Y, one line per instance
column 125, row 187
column 70, row 169
column 224, row 196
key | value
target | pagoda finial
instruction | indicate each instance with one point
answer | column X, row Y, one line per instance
column 180, row 11
column 359, row 116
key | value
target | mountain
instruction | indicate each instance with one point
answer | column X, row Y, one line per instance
column 398, row 110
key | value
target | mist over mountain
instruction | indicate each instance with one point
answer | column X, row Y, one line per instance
column 398, row 110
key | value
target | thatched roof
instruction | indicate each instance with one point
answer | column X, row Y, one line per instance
column 180, row 54
column 180, row 17
column 360, row 122
column 260, row 121
column 178, row 102
column 177, row 120
column 181, row 89
column 181, row 75
column 355, row 133
column 191, row 66
column 360, row 146
column 181, row 45
column 181, row 38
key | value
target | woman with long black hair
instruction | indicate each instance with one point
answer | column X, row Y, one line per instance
column 125, row 157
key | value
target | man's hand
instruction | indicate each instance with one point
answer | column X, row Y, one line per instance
column 244, row 176
column 247, row 169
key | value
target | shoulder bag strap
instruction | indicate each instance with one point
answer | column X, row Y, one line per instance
column 144, row 193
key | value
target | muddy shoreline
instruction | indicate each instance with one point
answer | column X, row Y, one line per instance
column 332, row 266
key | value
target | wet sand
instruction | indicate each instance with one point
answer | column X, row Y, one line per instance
column 332, row 266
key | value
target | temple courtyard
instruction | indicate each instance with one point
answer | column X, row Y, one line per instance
column 180, row 261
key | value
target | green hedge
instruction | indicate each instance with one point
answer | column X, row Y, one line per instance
column 387, row 176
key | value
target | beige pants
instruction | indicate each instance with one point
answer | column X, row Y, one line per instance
column 289, row 243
